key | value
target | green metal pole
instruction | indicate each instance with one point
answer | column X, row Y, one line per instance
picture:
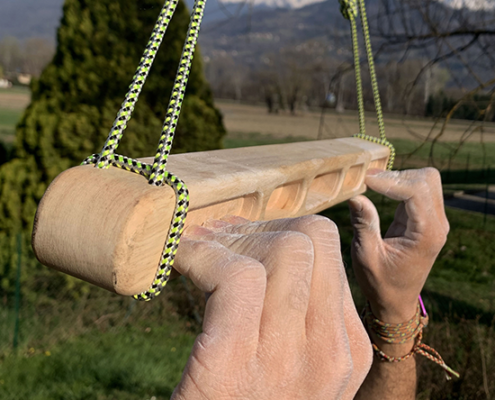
column 18, row 291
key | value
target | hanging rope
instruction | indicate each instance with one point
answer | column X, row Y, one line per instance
column 157, row 174
column 350, row 10
column 413, row 329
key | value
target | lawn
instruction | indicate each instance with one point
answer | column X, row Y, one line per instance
column 136, row 362
column 13, row 101
column 8, row 120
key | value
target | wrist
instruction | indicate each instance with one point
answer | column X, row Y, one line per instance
column 395, row 339
column 394, row 313
column 391, row 349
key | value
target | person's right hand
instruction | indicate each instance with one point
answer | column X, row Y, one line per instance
column 280, row 322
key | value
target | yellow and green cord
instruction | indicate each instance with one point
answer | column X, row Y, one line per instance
column 350, row 10
column 156, row 173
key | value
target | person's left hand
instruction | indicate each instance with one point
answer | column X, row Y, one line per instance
column 280, row 322
column 392, row 270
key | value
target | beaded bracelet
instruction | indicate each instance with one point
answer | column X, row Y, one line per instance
column 402, row 333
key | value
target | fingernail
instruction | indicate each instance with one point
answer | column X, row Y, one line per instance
column 216, row 225
column 235, row 220
column 195, row 231
column 355, row 204
column 373, row 171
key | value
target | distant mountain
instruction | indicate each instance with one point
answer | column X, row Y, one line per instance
column 248, row 37
column 27, row 18
column 247, row 30
column 40, row 18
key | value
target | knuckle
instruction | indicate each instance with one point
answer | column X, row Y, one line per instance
column 204, row 246
column 198, row 246
column 394, row 175
column 315, row 223
column 432, row 174
column 333, row 347
column 292, row 250
column 339, row 365
column 446, row 226
column 292, row 242
column 440, row 239
column 288, row 366
column 246, row 272
column 431, row 178
column 435, row 244
column 421, row 186
column 362, row 350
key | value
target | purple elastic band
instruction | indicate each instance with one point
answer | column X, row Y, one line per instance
column 423, row 309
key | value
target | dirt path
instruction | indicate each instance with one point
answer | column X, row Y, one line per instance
column 240, row 118
column 14, row 99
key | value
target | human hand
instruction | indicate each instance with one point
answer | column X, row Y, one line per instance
column 392, row 271
column 280, row 322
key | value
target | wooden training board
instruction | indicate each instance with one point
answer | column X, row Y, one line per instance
column 108, row 227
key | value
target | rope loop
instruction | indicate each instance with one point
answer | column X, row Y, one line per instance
column 383, row 142
column 157, row 174
column 349, row 9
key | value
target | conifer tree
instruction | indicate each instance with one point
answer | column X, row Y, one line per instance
column 76, row 99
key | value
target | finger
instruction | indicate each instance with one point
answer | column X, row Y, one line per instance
column 237, row 286
column 234, row 219
column 411, row 188
column 325, row 307
column 398, row 227
column 365, row 224
column 328, row 350
column 360, row 349
column 397, row 185
column 288, row 259
column 327, row 321
column 434, row 180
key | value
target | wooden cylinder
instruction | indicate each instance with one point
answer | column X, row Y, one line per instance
column 108, row 227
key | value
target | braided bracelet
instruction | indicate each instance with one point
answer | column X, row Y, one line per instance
column 402, row 333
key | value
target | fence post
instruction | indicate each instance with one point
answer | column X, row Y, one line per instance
column 17, row 291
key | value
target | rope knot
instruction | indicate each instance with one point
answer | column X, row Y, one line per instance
column 349, row 9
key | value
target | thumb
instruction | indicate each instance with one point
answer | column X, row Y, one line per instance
column 365, row 222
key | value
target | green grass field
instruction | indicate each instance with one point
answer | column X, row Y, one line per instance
column 138, row 362
column 8, row 120
column 410, row 153
column 105, row 348
column 13, row 101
